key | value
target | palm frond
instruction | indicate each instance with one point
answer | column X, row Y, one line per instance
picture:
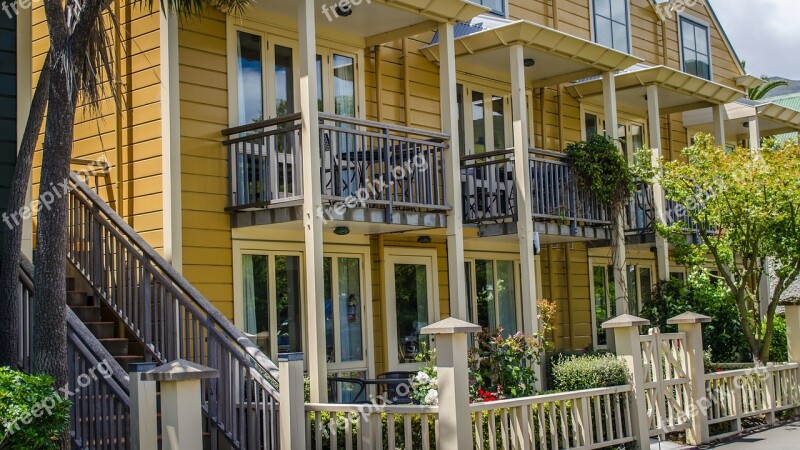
column 758, row 93
column 193, row 8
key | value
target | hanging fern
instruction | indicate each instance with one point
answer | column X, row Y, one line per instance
column 601, row 169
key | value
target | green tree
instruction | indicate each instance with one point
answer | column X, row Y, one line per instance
column 758, row 93
column 746, row 206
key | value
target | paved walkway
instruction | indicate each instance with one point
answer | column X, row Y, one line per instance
column 784, row 437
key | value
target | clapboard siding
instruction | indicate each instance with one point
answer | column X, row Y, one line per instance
column 8, row 108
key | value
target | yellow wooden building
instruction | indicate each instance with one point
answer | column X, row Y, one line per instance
column 336, row 176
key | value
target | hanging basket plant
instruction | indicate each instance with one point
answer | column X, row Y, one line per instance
column 601, row 168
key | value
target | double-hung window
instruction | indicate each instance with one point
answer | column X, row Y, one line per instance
column 611, row 22
column 695, row 48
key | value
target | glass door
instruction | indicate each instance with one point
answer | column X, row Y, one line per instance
column 494, row 294
column 411, row 306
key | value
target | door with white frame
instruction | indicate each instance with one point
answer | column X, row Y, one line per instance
column 493, row 288
column 412, row 303
column 641, row 281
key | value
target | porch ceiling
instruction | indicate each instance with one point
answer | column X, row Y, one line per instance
column 372, row 18
column 772, row 119
column 558, row 57
column 678, row 91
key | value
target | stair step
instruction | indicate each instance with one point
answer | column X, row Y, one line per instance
column 70, row 283
column 125, row 360
column 102, row 330
column 116, row 346
column 87, row 313
column 77, row 298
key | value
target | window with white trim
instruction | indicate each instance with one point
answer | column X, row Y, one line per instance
column 493, row 289
column 611, row 22
column 497, row 6
column 695, row 48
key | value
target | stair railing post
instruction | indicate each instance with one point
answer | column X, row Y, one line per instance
column 691, row 325
column 181, row 402
column 147, row 309
column 455, row 420
column 144, row 424
column 292, row 401
column 629, row 349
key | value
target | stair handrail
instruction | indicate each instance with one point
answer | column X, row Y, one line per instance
column 265, row 365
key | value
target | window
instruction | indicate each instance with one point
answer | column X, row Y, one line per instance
column 590, row 125
column 611, row 24
column 484, row 124
column 640, row 287
column 344, row 313
column 250, row 80
column 494, row 302
column 497, row 6
column 695, row 48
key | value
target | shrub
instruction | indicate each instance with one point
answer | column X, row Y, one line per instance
column 22, row 398
column 577, row 373
column 779, row 349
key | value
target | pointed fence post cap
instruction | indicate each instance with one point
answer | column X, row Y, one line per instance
column 180, row 370
column 625, row 321
column 689, row 317
column 451, row 325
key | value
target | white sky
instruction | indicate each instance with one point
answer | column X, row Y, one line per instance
column 765, row 33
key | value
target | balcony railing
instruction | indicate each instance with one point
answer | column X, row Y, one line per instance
column 490, row 195
column 363, row 163
column 640, row 213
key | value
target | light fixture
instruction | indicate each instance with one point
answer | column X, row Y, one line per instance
column 529, row 62
column 746, row 124
column 344, row 11
column 341, row 231
column 424, row 239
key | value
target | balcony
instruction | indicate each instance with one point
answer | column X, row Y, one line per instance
column 640, row 216
column 559, row 207
column 370, row 172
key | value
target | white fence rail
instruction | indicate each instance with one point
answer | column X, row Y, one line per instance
column 370, row 426
column 596, row 418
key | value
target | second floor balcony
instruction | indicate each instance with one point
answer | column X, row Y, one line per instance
column 640, row 216
column 370, row 172
column 559, row 206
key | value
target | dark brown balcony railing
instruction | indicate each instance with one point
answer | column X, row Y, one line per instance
column 363, row 163
column 490, row 195
column 640, row 213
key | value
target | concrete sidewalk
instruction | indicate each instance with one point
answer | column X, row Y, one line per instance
column 783, row 437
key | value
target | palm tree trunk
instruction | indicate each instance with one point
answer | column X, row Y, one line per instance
column 12, row 239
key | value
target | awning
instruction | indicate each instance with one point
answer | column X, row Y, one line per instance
column 678, row 91
column 558, row 57
column 773, row 119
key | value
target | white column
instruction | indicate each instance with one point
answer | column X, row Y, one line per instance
column 659, row 205
column 24, row 97
column 793, row 331
column 719, row 124
column 522, row 182
column 292, row 407
column 459, row 303
column 144, row 417
column 755, row 133
column 312, row 201
column 618, row 221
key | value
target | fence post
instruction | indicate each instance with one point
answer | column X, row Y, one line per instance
column 292, row 401
column 181, row 402
column 691, row 324
column 144, row 424
column 793, row 329
column 455, row 420
column 629, row 348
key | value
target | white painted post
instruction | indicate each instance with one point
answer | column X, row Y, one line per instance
column 522, row 182
column 459, row 303
column 618, row 221
column 629, row 348
column 691, row 325
column 312, row 201
column 181, row 408
column 292, row 405
column 144, row 423
column 755, row 133
column 718, row 112
column 455, row 420
column 659, row 202
column 793, row 329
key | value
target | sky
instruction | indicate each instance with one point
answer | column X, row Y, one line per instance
column 765, row 33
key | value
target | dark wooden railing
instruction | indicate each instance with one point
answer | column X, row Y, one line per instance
column 487, row 182
column 100, row 412
column 640, row 213
column 174, row 321
column 370, row 164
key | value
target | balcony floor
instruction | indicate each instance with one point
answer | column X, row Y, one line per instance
column 549, row 233
column 398, row 219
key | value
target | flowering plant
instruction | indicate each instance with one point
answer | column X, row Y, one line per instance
column 424, row 385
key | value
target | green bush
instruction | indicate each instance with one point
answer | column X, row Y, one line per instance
column 23, row 398
column 577, row 373
column 779, row 349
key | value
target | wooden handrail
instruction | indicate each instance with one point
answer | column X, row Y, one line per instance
column 384, row 126
column 261, row 124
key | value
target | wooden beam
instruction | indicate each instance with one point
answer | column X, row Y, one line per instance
column 399, row 33
column 686, row 107
column 566, row 78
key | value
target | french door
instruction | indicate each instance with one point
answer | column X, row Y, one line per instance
column 411, row 303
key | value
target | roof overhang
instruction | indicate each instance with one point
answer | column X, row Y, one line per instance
column 379, row 21
column 677, row 91
column 772, row 119
column 749, row 81
column 558, row 57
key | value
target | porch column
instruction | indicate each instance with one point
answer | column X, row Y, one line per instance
column 719, row 124
column 459, row 303
column 618, row 221
column 312, row 202
column 659, row 204
column 522, row 183
column 755, row 133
